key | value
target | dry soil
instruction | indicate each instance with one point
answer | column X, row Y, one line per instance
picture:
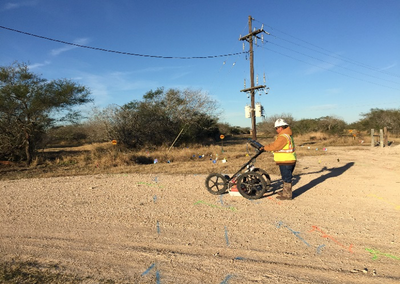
column 341, row 227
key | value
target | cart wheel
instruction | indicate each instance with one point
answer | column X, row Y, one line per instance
column 251, row 185
column 265, row 175
column 216, row 183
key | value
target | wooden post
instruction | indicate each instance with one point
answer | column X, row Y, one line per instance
column 381, row 137
column 372, row 138
column 385, row 136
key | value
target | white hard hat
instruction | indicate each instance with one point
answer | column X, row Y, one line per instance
column 280, row 122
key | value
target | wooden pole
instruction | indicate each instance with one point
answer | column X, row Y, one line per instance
column 176, row 138
column 372, row 138
column 252, row 92
column 252, row 88
column 381, row 137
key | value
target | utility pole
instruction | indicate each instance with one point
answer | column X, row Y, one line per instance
column 252, row 88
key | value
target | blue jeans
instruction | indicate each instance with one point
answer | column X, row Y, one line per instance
column 287, row 172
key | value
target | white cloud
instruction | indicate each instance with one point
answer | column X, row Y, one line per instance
column 14, row 5
column 37, row 65
column 389, row 67
column 319, row 68
column 80, row 41
column 115, row 87
column 322, row 65
column 179, row 75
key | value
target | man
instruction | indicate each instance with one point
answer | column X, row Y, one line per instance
column 284, row 156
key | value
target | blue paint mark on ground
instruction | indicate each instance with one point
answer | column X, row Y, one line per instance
column 225, row 281
column 297, row 234
column 148, row 269
column 319, row 248
column 226, row 236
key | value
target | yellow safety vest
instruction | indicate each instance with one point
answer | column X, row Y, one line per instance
column 287, row 153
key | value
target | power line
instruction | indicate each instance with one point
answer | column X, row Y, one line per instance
column 328, row 69
column 328, row 63
column 332, row 63
column 327, row 52
column 122, row 52
column 342, row 58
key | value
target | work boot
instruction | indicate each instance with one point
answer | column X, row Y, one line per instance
column 286, row 192
column 280, row 193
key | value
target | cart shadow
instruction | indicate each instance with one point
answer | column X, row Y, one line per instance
column 332, row 172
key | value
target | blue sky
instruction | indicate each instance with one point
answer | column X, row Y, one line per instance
column 339, row 58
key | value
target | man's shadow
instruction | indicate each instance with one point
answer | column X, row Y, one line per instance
column 333, row 172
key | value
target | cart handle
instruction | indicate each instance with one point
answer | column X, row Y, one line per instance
column 256, row 144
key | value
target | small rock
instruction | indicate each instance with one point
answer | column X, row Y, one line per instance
column 365, row 270
column 354, row 271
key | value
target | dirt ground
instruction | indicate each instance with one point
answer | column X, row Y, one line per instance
column 341, row 227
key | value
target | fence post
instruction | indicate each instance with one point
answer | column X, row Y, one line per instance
column 372, row 138
column 385, row 136
column 381, row 137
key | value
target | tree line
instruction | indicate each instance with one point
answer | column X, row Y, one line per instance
column 35, row 113
column 375, row 119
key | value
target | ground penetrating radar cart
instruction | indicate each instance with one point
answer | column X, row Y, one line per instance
column 252, row 184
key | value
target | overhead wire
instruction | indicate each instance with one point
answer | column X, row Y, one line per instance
column 327, row 52
column 315, row 58
column 223, row 66
column 376, row 77
column 121, row 52
column 341, row 58
column 330, row 70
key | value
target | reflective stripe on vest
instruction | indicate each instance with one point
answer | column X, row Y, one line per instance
column 289, row 148
column 288, row 152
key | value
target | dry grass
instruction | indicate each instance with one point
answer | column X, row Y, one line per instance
column 111, row 159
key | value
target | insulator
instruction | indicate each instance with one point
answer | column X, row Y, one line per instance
column 234, row 63
column 262, row 26
column 264, row 79
column 245, row 83
column 243, row 46
column 255, row 41
column 257, row 79
column 224, row 63
column 262, row 38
